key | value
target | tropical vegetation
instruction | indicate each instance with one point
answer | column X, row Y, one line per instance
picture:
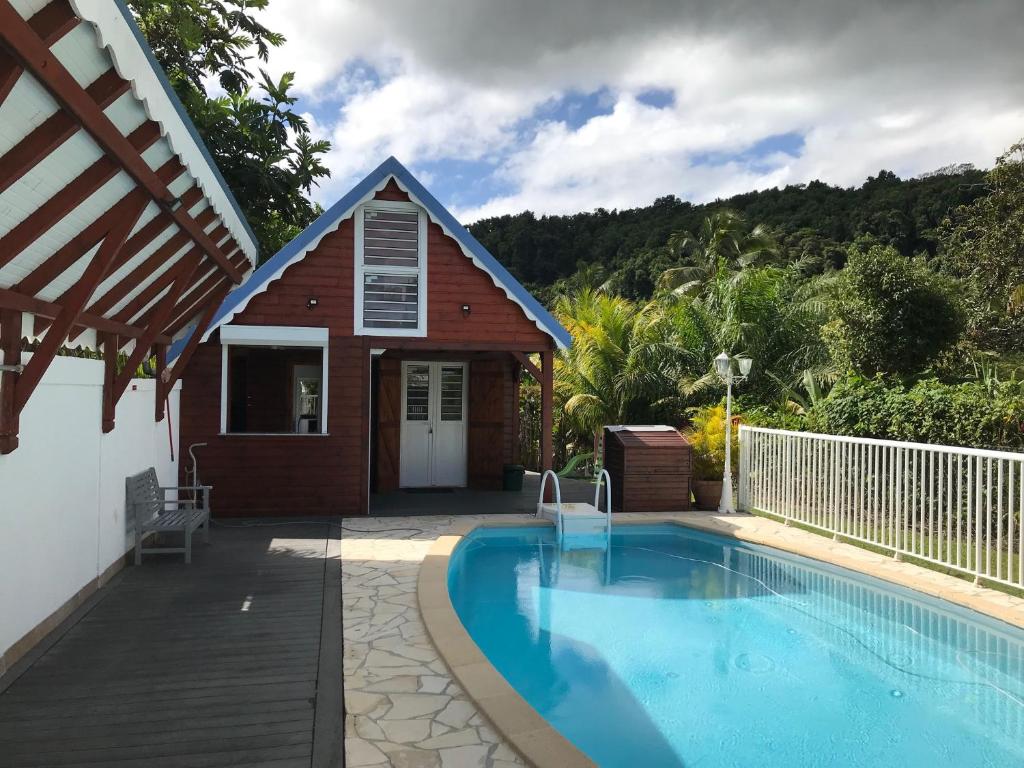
column 910, row 329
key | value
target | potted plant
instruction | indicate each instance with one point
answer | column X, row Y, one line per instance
column 707, row 438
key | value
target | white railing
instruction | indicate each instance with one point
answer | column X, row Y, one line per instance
column 956, row 507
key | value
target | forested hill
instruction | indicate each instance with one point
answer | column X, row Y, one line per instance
column 813, row 223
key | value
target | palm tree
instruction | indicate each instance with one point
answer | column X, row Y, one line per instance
column 721, row 244
column 620, row 367
column 750, row 312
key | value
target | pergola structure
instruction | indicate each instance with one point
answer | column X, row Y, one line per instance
column 116, row 229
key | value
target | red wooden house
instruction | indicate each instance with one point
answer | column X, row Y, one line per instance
column 381, row 349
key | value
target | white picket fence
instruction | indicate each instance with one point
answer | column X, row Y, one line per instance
column 957, row 507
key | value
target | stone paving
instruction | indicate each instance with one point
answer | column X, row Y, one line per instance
column 403, row 709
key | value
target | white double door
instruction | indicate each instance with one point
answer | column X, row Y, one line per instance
column 433, row 439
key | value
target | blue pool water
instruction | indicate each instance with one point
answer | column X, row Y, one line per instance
column 682, row 648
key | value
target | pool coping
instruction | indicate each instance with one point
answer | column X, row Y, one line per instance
column 536, row 739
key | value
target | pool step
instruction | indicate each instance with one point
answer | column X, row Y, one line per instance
column 577, row 518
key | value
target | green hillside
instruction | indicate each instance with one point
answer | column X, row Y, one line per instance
column 813, row 223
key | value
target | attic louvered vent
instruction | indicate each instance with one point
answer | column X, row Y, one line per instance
column 391, row 274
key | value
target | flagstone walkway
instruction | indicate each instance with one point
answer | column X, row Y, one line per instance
column 403, row 709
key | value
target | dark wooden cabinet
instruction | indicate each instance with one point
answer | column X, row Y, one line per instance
column 650, row 468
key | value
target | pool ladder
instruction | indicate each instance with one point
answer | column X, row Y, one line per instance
column 578, row 519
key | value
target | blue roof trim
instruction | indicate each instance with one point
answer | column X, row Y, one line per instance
column 180, row 109
column 390, row 167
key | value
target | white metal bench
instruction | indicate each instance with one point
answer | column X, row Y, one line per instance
column 155, row 513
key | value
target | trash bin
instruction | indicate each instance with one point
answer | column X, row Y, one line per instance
column 512, row 477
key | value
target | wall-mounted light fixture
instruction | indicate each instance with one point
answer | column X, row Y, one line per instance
column 312, row 302
column 466, row 309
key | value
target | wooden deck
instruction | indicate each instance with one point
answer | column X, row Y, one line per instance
column 232, row 661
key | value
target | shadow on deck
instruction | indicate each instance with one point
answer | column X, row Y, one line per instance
column 233, row 660
column 462, row 501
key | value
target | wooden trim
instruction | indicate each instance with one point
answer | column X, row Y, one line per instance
column 33, row 54
column 391, row 342
column 78, row 296
column 10, row 346
column 527, row 363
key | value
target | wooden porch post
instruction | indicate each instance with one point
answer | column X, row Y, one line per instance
column 10, row 345
column 111, row 345
column 547, row 457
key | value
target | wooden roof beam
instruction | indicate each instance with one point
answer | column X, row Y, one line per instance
column 70, row 197
column 194, row 299
column 139, row 274
column 33, row 54
column 40, row 361
column 74, row 249
column 181, row 274
column 19, row 302
column 51, row 24
column 57, row 128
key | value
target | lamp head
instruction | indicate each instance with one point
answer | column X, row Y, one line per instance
column 722, row 364
column 744, row 363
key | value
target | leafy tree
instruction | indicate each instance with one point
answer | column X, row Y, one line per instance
column 891, row 314
column 260, row 144
column 984, row 244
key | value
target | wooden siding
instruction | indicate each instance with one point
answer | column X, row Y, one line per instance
column 650, row 471
column 328, row 474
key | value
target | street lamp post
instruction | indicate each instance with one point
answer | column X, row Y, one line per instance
column 724, row 369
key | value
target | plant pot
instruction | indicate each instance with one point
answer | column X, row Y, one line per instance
column 707, row 494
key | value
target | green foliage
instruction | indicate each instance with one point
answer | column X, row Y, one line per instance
column 812, row 224
column 984, row 244
column 260, row 144
column 751, row 312
column 619, row 367
column 891, row 314
column 722, row 244
column 979, row 414
column 707, row 438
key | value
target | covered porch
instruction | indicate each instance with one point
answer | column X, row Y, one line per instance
column 447, row 421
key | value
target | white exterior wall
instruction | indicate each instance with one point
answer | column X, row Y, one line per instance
column 62, row 492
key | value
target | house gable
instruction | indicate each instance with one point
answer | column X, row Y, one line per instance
column 461, row 270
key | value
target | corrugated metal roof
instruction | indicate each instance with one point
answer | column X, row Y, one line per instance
column 107, row 46
column 331, row 219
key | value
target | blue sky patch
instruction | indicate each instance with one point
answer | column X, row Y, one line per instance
column 659, row 98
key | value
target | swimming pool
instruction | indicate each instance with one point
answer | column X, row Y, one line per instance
column 678, row 647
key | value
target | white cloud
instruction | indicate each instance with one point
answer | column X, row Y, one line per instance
column 908, row 86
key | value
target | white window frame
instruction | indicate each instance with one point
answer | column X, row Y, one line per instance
column 272, row 336
column 361, row 269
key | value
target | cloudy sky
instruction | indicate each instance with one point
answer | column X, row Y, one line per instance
column 565, row 105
